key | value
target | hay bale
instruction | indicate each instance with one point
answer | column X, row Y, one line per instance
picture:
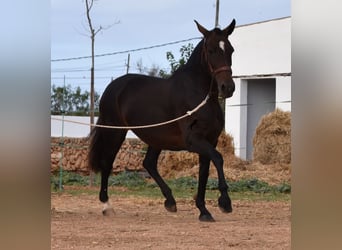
column 182, row 163
column 272, row 138
column 225, row 144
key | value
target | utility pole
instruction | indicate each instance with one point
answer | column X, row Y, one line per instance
column 222, row 101
column 217, row 13
column 127, row 65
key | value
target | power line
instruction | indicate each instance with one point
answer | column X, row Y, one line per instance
column 108, row 68
column 81, row 77
column 126, row 51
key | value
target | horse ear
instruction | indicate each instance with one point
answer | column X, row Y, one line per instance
column 201, row 29
column 230, row 28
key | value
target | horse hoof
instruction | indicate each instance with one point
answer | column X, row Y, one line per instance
column 108, row 212
column 206, row 218
column 225, row 205
column 172, row 208
column 226, row 210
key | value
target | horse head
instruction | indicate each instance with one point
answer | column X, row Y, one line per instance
column 217, row 52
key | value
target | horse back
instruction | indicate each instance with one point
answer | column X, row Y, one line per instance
column 139, row 100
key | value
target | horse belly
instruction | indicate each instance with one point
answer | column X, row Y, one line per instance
column 164, row 137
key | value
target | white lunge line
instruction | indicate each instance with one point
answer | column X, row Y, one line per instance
column 188, row 113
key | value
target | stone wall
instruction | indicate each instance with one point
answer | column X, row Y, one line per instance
column 71, row 153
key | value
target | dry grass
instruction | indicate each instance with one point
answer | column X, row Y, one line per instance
column 180, row 164
column 272, row 139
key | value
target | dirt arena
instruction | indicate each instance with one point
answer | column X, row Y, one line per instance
column 77, row 223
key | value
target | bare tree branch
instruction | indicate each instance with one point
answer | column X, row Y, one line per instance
column 91, row 4
column 88, row 8
column 93, row 32
column 111, row 25
column 98, row 30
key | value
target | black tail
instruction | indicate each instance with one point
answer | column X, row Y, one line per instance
column 95, row 147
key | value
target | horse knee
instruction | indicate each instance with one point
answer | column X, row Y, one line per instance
column 218, row 160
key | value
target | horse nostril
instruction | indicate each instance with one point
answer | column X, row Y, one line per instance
column 227, row 88
column 231, row 89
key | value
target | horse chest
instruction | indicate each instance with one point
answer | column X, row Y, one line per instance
column 209, row 122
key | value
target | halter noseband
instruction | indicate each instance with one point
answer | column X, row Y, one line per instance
column 223, row 68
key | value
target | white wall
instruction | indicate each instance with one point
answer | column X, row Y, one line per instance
column 283, row 93
column 68, row 129
column 262, row 48
column 236, row 110
column 236, row 117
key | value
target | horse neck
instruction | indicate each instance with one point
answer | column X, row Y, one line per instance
column 196, row 61
column 197, row 68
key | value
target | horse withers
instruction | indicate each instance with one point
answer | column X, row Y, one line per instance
column 138, row 100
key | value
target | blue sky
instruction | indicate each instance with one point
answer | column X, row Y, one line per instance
column 141, row 24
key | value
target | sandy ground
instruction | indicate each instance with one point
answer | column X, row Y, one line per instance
column 77, row 223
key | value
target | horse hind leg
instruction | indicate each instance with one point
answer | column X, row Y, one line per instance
column 112, row 144
column 150, row 164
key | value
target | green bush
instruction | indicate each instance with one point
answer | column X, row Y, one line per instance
column 127, row 179
column 183, row 182
column 135, row 180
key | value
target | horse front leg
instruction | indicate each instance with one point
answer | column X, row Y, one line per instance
column 150, row 164
column 205, row 149
column 202, row 183
column 224, row 202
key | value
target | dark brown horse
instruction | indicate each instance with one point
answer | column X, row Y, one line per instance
column 142, row 100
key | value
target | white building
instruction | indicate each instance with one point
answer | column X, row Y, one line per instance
column 74, row 126
column 262, row 75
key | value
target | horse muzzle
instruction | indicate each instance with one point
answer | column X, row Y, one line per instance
column 225, row 83
column 226, row 88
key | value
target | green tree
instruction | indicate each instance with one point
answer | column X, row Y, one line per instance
column 185, row 52
column 153, row 71
column 71, row 101
column 61, row 99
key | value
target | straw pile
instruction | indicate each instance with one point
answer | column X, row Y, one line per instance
column 272, row 139
column 182, row 163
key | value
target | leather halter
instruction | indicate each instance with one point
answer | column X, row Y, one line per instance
column 213, row 72
column 223, row 68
